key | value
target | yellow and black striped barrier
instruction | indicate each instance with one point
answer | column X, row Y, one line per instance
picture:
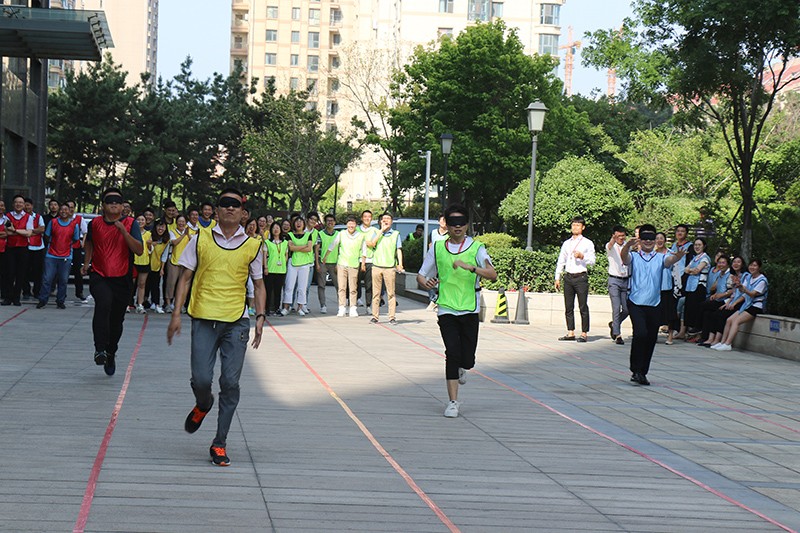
column 501, row 310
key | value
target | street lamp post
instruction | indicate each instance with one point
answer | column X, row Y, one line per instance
column 427, row 156
column 337, row 170
column 446, row 140
column 536, row 112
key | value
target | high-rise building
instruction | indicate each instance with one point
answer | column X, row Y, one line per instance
column 301, row 45
column 134, row 25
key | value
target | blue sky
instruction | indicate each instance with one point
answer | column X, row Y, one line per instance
column 203, row 32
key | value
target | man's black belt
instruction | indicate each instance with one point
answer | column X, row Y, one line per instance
column 618, row 277
column 576, row 275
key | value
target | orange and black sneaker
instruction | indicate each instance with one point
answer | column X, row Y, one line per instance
column 219, row 457
column 195, row 417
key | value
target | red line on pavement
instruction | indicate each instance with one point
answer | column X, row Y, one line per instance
column 381, row 450
column 4, row 322
column 679, row 391
column 612, row 439
column 88, row 495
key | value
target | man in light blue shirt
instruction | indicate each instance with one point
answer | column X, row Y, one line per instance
column 645, row 267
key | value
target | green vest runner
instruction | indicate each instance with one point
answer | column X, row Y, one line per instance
column 276, row 257
column 325, row 242
column 350, row 249
column 456, row 286
column 302, row 258
column 386, row 250
column 369, row 235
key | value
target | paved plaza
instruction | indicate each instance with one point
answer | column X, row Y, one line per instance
column 340, row 428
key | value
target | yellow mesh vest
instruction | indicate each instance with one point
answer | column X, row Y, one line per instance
column 219, row 289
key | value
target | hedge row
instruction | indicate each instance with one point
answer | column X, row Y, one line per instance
column 534, row 270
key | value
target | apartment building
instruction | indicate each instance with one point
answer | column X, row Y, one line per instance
column 302, row 45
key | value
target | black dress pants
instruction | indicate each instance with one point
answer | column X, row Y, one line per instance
column 35, row 271
column 77, row 263
column 111, row 297
column 646, row 321
column 576, row 285
column 16, row 274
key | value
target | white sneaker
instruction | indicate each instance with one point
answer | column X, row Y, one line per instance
column 462, row 375
column 725, row 348
column 153, row 307
column 451, row 411
column 360, row 302
column 353, row 311
column 716, row 346
column 342, row 311
column 323, row 310
column 159, row 310
column 284, row 311
column 140, row 309
column 301, row 312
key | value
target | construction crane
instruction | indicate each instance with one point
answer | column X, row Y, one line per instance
column 569, row 61
column 612, row 75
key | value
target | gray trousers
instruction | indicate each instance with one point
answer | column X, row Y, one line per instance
column 618, row 292
column 329, row 268
column 230, row 339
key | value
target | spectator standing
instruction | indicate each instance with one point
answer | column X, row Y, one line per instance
column 387, row 260
column 328, row 267
column 617, row 283
column 301, row 259
column 665, row 305
column 141, row 262
column 36, row 251
column 365, row 274
column 170, row 214
column 78, row 252
column 457, row 265
column 61, row 233
column 160, row 240
column 678, row 283
column 178, row 239
column 206, row 219
column 351, row 251
column 277, row 255
column 53, row 211
column 111, row 243
column 18, row 228
column 576, row 256
column 417, row 234
column 3, row 239
column 696, row 286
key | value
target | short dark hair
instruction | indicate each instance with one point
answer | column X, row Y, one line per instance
column 330, row 216
column 386, row 214
column 28, row 200
column 192, row 208
column 352, row 217
column 647, row 227
column 61, row 204
column 169, row 203
column 51, row 200
column 17, row 196
column 619, row 229
column 365, row 211
column 420, row 226
column 455, row 208
column 148, row 209
column 110, row 190
column 209, row 204
column 578, row 219
column 756, row 261
column 231, row 190
column 684, row 226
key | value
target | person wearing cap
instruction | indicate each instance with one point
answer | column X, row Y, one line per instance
column 576, row 256
column 644, row 299
column 220, row 259
column 457, row 264
column 111, row 243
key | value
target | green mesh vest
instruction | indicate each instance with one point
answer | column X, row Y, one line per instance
column 456, row 286
column 386, row 251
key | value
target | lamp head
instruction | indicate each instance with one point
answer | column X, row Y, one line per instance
column 536, row 112
column 446, row 140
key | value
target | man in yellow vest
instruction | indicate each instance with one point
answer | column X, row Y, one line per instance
column 457, row 264
column 387, row 260
column 220, row 260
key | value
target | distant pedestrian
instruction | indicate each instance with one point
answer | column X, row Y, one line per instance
column 19, row 226
column 576, row 256
column 617, row 283
column 61, row 232
column 457, row 264
column 220, row 259
column 387, row 261
column 36, row 252
column 111, row 244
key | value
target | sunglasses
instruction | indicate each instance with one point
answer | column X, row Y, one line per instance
column 112, row 199
column 457, row 221
column 227, row 201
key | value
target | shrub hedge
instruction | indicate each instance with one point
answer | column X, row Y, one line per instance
column 784, row 290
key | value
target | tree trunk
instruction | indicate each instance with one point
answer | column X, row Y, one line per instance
column 746, row 188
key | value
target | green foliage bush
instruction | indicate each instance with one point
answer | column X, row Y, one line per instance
column 498, row 241
column 413, row 255
column 784, row 291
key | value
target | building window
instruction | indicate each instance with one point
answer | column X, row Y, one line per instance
column 445, row 31
column 313, row 39
column 311, row 106
column 334, row 62
column 478, row 9
column 333, row 86
column 295, row 13
column 272, row 36
column 497, row 9
column 294, row 83
column 550, row 14
column 271, row 59
column 336, row 16
column 269, row 81
column 294, row 60
column 332, row 108
column 336, row 39
column 238, row 42
column 311, row 86
column 313, row 63
column 548, row 44
column 313, row 17
column 272, row 12
column 446, row 6
column 295, row 36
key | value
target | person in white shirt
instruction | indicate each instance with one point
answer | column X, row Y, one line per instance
column 617, row 283
column 577, row 254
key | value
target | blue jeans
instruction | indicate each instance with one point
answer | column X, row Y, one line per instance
column 230, row 340
column 55, row 270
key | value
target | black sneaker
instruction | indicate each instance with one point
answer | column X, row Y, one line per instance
column 196, row 417
column 100, row 358
column 40, row 305
column 61, row 305
column 110, row 365
column 219, row 457
column 393, row 322
column 373, row 320
column 5, row 302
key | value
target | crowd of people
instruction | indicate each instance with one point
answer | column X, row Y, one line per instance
column 678, row 291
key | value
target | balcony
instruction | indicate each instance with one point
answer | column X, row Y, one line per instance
column 239, row 49
column 241, row 5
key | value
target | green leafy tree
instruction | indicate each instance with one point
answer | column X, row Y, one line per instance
column 721, row 61
column 574, row 186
